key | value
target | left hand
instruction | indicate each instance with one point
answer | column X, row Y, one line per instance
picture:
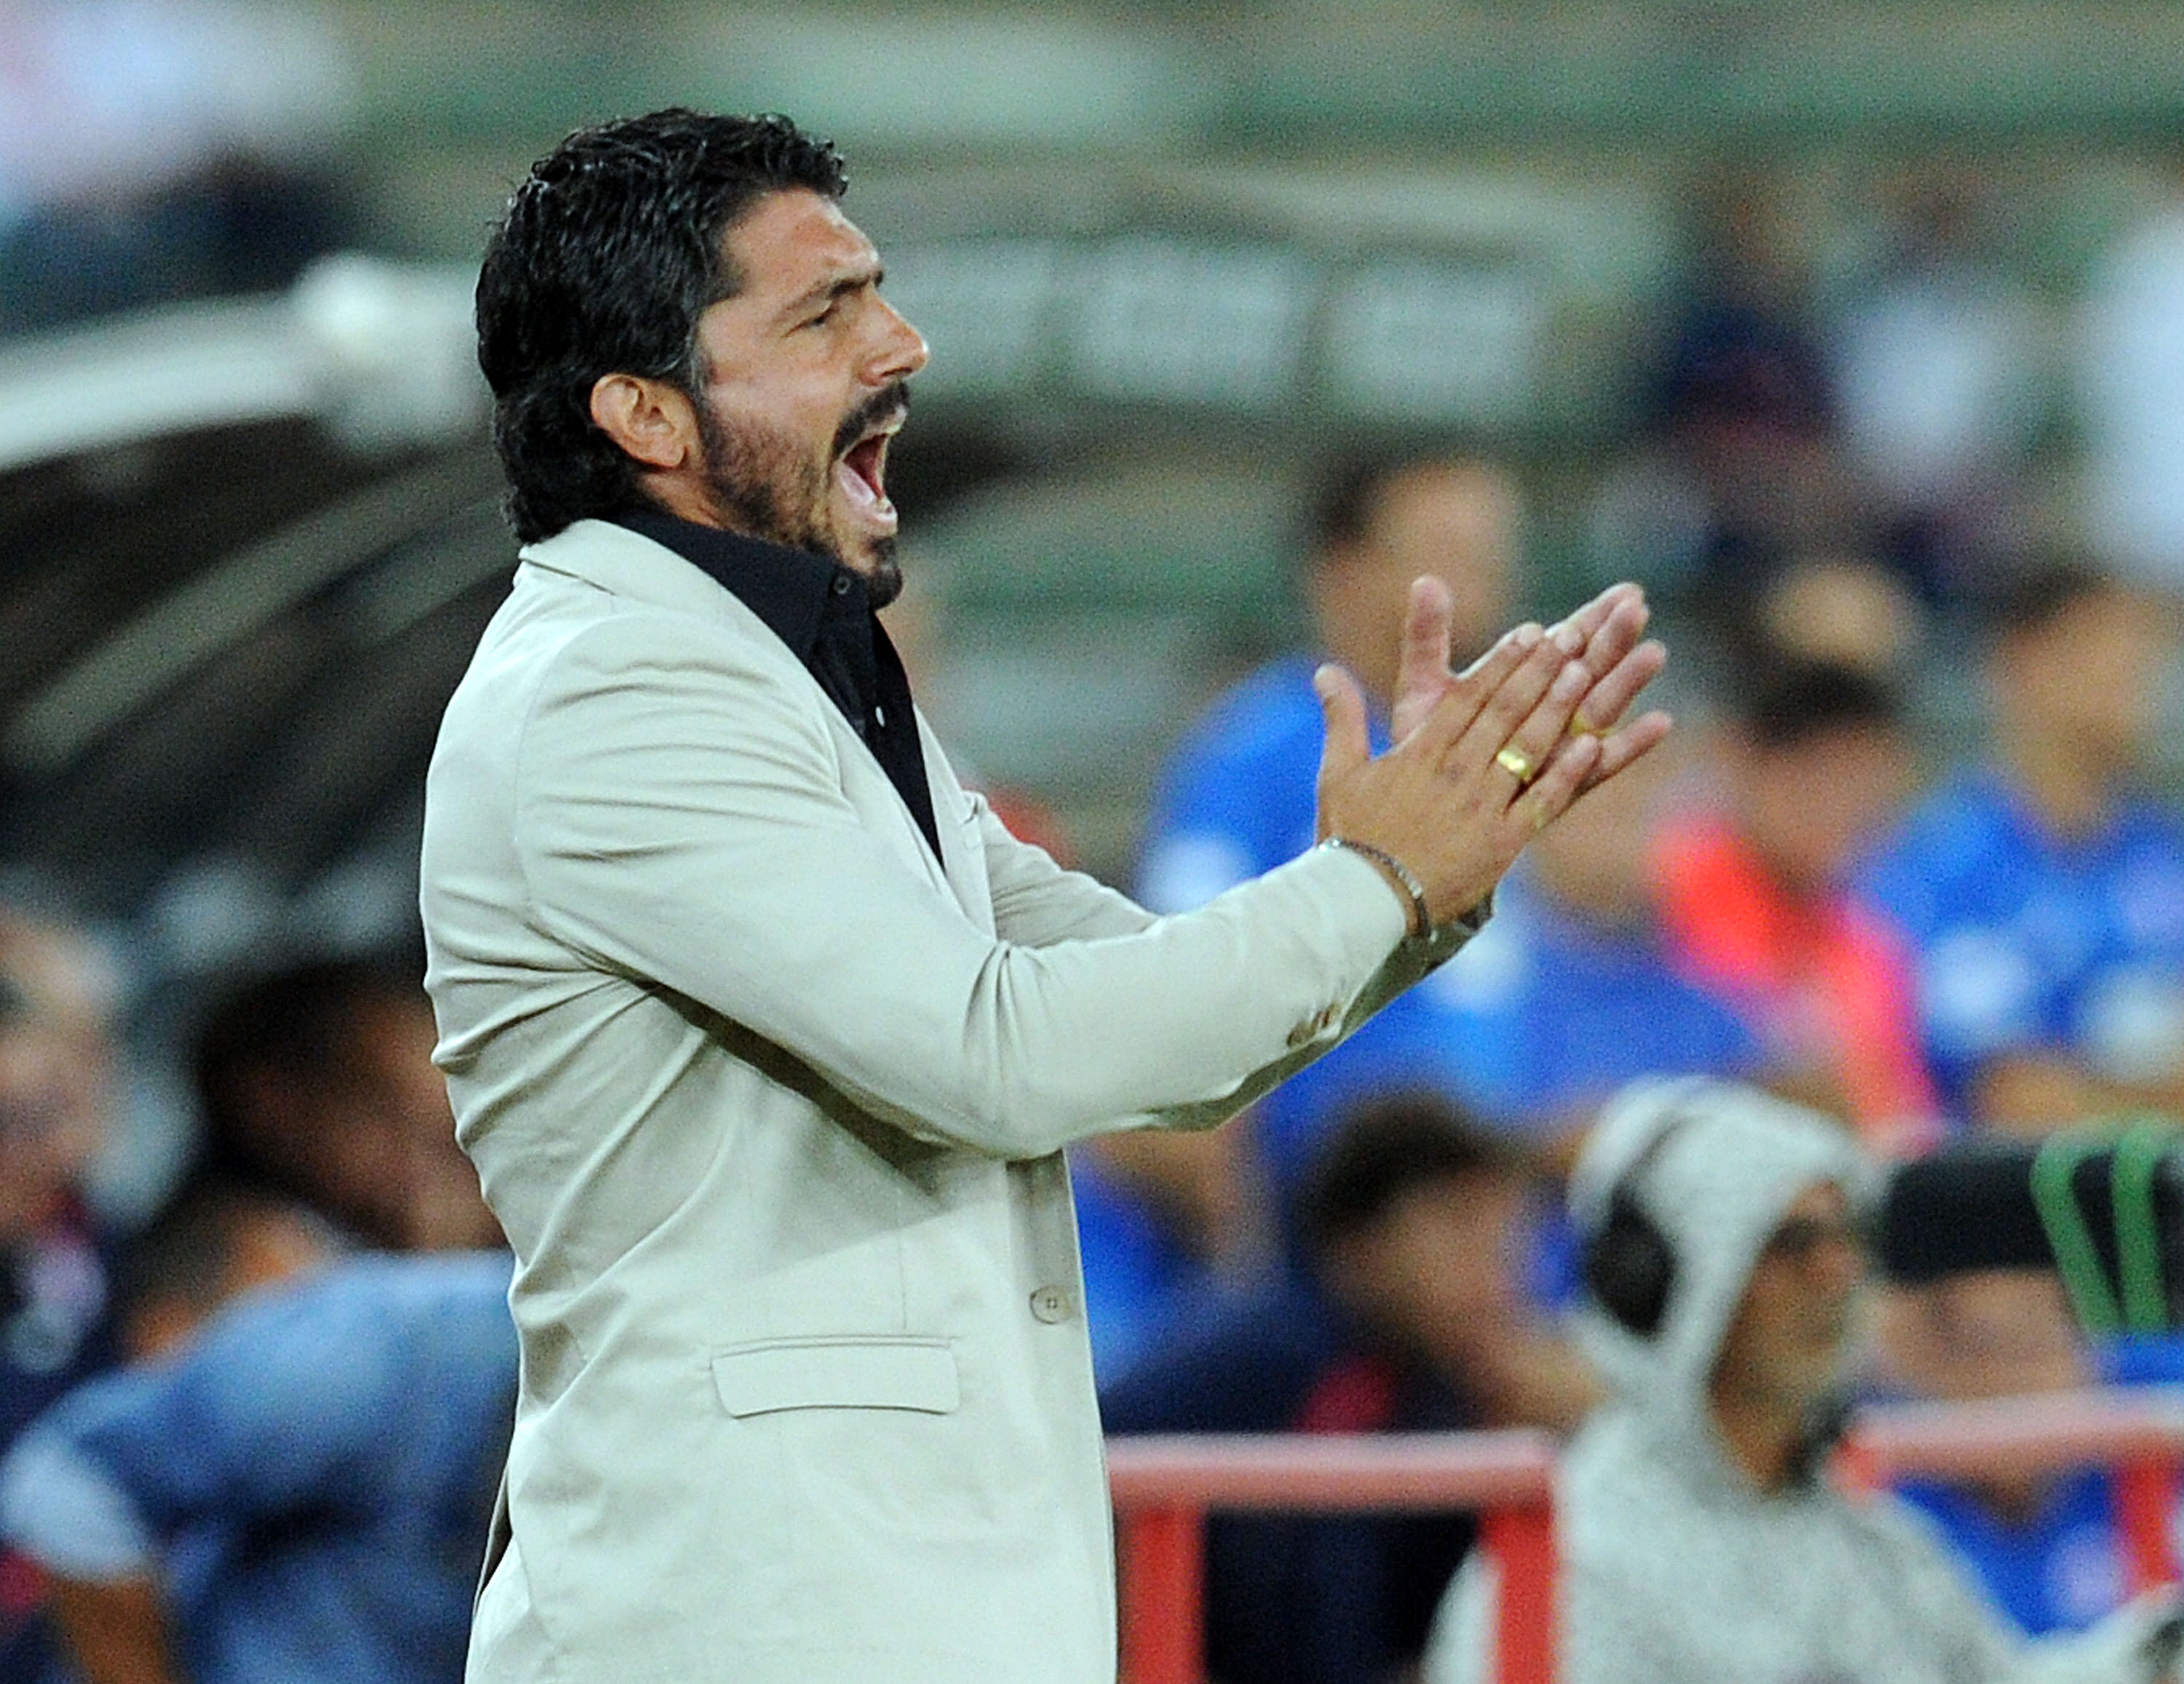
column 1607, row 634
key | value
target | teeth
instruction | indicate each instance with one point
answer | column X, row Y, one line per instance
column 863, row 496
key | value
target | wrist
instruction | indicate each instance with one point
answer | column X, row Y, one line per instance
column 1399, row 877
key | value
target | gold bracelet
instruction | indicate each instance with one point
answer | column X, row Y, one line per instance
column 1421, row 919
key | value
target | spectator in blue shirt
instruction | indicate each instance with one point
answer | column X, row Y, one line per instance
column 315, row 1080
column 1165, row 1222
column 302, row 1497
column 1236, row 799
column 2045, row 1545
column 1406, row 1316
column 1570, row 991
column 57, row 1073
column 2044, row 892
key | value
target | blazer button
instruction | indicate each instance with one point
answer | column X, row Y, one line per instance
column 1050, row 1304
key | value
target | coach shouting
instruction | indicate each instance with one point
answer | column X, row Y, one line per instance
column 766, row 1038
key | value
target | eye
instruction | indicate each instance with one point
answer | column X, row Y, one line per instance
column 826, row 313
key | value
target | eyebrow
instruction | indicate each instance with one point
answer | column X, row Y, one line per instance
column 826, row 292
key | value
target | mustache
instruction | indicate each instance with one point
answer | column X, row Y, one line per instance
column 891, row 400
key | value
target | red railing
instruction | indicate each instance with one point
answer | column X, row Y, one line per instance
column 1163, row 1488
column 2139, row 1431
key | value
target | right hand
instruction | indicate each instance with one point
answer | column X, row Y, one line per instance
column 1439, row 800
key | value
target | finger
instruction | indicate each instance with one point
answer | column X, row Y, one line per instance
column 1610, row 698
column 1346, row 745
column 1516, row 700
column 1617, row 635
column 1470, row 690
column 1422, row 666
column 1633, row 742
column 1502, row 655
column 1587, row 621
column 1543, row 733
column 1570, row 773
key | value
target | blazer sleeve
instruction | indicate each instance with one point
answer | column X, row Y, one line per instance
column 1037, row 903
column 681, row 820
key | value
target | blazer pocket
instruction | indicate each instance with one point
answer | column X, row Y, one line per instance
column 849, row 1372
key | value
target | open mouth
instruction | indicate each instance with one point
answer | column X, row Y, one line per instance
column 861, row 472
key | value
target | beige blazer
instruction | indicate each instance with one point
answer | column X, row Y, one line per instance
column 771, row 1107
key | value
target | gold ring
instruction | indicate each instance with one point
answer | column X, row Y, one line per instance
column 1579, row 726
column 1516, row 763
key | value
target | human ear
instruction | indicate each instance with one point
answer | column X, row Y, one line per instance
column 649, row 420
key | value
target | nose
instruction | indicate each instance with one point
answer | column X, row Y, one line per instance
column 899, row 349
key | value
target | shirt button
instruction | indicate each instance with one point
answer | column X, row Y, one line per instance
column 1050, row 1304
column 841, row 585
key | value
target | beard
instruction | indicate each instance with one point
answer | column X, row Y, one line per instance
column 764, row 485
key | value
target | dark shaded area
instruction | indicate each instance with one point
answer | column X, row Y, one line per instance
column 308, row 725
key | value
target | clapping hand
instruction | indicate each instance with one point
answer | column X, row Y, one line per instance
column 1485, row 758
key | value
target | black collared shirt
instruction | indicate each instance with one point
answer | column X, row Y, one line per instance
column 821, row 609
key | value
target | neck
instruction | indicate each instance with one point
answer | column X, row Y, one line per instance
column 2071, row 793
column 1763, row 1436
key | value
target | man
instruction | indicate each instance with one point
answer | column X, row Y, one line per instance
column 1165, row 1220
column 1237, row 798
column 1701, row 1541
column 1407, row 1316
column 1753, row 898
column 765, row 1037
column 59, row 1067
column 298, row 1497
column 314, row 1080
column 2047, row 1545
column 2043, row 894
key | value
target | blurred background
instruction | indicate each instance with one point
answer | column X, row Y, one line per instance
column 1837, row 326
column 1722, row 282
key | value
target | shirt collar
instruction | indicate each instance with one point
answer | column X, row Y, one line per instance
column 789, row 589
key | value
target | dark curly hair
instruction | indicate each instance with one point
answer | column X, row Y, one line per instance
column 608, row 254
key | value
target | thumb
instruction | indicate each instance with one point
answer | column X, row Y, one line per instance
column 1346, row 744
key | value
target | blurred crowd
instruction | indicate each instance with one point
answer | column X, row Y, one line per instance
column 1913, row 866
column 1811, row 893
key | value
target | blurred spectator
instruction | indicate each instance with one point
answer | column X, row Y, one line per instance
column 2132, row 384
column 153, row 149
column 1743, row 468
column 301, row 1497
column 1166, row 1220
column 216, row 1239
column 1570, row 991
column 2043, row 892
column 1407, row 1315
column 1839, row 609
column 1700, row 1541
column 56, row 1073
column 1934, row 357
column 2044, row 1545
column 1237, row 798
column 318, row 1081
column 1751, row 893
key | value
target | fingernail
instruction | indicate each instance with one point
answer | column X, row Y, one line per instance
column 1571, row 681
column 1526, row 636
column 1570, row 640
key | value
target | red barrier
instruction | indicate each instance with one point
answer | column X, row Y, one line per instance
column 2138, row 1431
column 1163, row 1488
